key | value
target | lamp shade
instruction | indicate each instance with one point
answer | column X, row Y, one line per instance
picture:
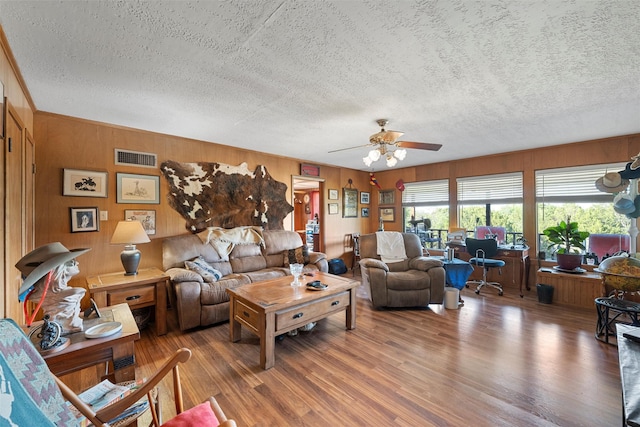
column 130, row 233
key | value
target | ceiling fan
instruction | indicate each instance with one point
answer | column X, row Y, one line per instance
column 385, row 143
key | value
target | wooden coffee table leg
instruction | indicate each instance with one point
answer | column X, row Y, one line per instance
column 234, row 326
column 267, row 341
column 351, row 310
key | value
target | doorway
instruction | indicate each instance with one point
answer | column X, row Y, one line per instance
column 307, row 218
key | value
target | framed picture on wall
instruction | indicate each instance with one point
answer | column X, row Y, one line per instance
column 84, row 183
column 364, row 198
column 350, row 203
column 84, row 219
column 146, row 217
column 388, row 214
column 333, row 194
column 138, row 188
column 309, row 170
column 364, row 212
column 333, row 208
column 387, row 197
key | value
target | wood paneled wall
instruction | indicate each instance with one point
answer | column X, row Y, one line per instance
column 66, row 142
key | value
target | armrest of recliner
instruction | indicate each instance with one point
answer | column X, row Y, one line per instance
column 373, row 263
column 423, row 263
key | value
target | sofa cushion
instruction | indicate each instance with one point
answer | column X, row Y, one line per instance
column 216, row 293
column 298, row 255
column 203, row 268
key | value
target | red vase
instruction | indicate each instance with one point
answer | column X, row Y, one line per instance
column 569, row 261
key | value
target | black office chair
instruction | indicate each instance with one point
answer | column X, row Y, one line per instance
column 481, row 251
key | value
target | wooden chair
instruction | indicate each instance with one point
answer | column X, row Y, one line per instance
column 22, row 367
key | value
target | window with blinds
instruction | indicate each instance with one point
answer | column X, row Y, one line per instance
column 498, row 189
column 426, row 193
column 573, row 185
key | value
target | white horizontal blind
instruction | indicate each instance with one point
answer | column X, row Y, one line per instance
column 574, row 184
column 426, row 193
column 478, row 190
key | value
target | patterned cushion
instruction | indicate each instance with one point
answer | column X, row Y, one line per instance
column 28, row 386
column 298, row 255
column 203, row 268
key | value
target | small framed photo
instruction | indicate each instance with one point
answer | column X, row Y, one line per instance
column 364, row 212
column 333, row 194
column 138, row 188
column 364, row 198
column 84, row 219
column 388, row 214
column 387, row 197
column 333, row 208
column 76, row 182
column 146, row 217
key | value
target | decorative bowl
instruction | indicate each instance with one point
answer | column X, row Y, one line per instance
column 620, row 272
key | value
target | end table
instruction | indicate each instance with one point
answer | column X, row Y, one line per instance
column 145, row 289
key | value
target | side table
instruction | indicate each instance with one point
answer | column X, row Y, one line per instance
column 147, row 288
column 609, row 311
column 117, row 350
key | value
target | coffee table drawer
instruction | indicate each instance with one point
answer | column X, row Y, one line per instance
column 133, row 297
column 304, row 314
column 246, row 315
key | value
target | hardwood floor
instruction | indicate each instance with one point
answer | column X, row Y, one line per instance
column 497, row 361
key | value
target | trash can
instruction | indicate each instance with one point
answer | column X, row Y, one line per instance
column 545, row 293
column 451, row 297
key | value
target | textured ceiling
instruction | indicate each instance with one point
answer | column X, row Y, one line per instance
column 301, row 78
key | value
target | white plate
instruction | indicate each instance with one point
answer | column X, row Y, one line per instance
column 103, row 330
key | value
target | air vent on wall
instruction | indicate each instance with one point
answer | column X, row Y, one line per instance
column 136, row 158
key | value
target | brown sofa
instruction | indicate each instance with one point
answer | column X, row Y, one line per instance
column 201, row 303
column 414, row 282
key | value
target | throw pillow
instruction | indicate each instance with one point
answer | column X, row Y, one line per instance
column 199, row 415
column 298, row 255
column 203, row 268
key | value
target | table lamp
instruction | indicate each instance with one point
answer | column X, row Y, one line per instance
column 130, row 233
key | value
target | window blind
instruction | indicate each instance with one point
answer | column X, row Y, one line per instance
column 426, row 193
column 502, row 188
column 574, row 184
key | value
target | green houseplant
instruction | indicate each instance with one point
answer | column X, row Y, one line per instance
column 567, row 242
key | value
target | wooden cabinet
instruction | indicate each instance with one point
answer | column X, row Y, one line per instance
column 578, row 290
column 515, row 273
column 147, row 288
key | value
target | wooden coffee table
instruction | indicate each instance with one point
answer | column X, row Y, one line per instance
column 274, row 307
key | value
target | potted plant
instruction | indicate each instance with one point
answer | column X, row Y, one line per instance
column 567, row 242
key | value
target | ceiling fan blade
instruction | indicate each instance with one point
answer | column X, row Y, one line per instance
column 419, row 145
column 350, row 148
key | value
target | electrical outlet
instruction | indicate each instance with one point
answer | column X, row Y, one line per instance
column 104, row 216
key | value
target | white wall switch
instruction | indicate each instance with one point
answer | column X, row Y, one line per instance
column 104, row 215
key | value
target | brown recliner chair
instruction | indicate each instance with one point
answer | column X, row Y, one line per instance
column 414, row 282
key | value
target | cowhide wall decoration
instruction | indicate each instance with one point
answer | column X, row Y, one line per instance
column 221, row 195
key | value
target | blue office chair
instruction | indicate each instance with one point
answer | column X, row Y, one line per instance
column 481, row 251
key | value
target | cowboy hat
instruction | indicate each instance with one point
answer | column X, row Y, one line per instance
column 623, row 204
column 37, row 263
column 629, row 173
column 612, row 182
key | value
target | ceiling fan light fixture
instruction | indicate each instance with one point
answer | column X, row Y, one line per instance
column 367, row 161
column 374, row 155
column 391, row 161
column 400, row 153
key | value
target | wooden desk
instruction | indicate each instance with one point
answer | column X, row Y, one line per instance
column 118, row 350
column 145, row 289
column 579, row 290
column 273, row 307
column 515, row 271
